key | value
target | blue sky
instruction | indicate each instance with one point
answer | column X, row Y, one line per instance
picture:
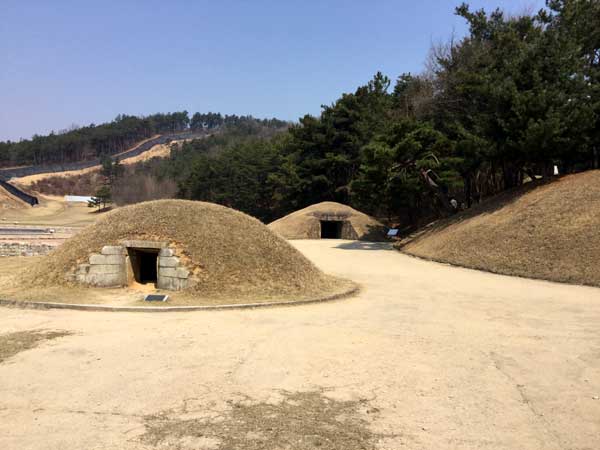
column 82, row 62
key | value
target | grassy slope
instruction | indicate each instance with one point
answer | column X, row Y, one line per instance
column 9, row 201
column 550, row 232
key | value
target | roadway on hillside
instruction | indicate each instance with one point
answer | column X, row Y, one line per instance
column 442, row 358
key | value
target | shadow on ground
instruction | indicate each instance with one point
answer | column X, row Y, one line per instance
column 364, row 245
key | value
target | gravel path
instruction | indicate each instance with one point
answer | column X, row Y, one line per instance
column 441, row 357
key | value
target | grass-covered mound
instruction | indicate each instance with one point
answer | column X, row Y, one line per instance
column 550, row 232
column 306, row 223
column 231, row 254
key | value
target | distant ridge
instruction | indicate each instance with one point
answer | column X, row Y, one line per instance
column 17, row 172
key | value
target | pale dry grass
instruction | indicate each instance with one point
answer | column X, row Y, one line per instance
column 17, row 342
column 305, row 223
column 9, row 201
column 158, row 151
column 233, row 256
column 551, row 232
column 301, row 421
column 30, row 180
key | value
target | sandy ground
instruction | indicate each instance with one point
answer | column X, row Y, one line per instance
column 445, row 358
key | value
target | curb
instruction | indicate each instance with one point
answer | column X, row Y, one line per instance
column 107, row 308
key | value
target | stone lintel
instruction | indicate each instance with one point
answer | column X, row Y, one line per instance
column 113, row 250
column 333, row 217
column 144, row 244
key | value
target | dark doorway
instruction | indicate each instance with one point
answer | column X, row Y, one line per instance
column 143, row 264
column 331, row 229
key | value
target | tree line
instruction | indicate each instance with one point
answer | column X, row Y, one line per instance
column 96, row 141
column 166, row 177
column 515, row 98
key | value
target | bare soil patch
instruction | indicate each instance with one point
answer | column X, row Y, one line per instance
column 301, row 421
column 13, row 343
column 550, row 232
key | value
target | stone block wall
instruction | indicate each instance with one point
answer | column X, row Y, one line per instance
column 24, row 249
column 106, row 269
column 171, row 275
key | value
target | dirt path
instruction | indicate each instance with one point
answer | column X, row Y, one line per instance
column 438, row 357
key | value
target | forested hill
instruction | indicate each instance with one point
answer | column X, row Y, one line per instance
column 505, row 105
column 94, row 141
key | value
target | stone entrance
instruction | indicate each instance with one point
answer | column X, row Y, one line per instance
column 134, row 261
column 333, row 226
column 331, row 229
column 144, row 264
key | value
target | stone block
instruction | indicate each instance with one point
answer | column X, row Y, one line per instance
column 167, row 272
column 166, row 252
column 106, row 269
column 107, row 259
column 106, row 279
column 168, row 261
column 170, row 283
column 182, row 272
column 113, row 250
column 144, row 244
column 173, row 272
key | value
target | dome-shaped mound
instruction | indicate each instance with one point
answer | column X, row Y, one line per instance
column 329, row 220
column 226, row 252
column 548, row 231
